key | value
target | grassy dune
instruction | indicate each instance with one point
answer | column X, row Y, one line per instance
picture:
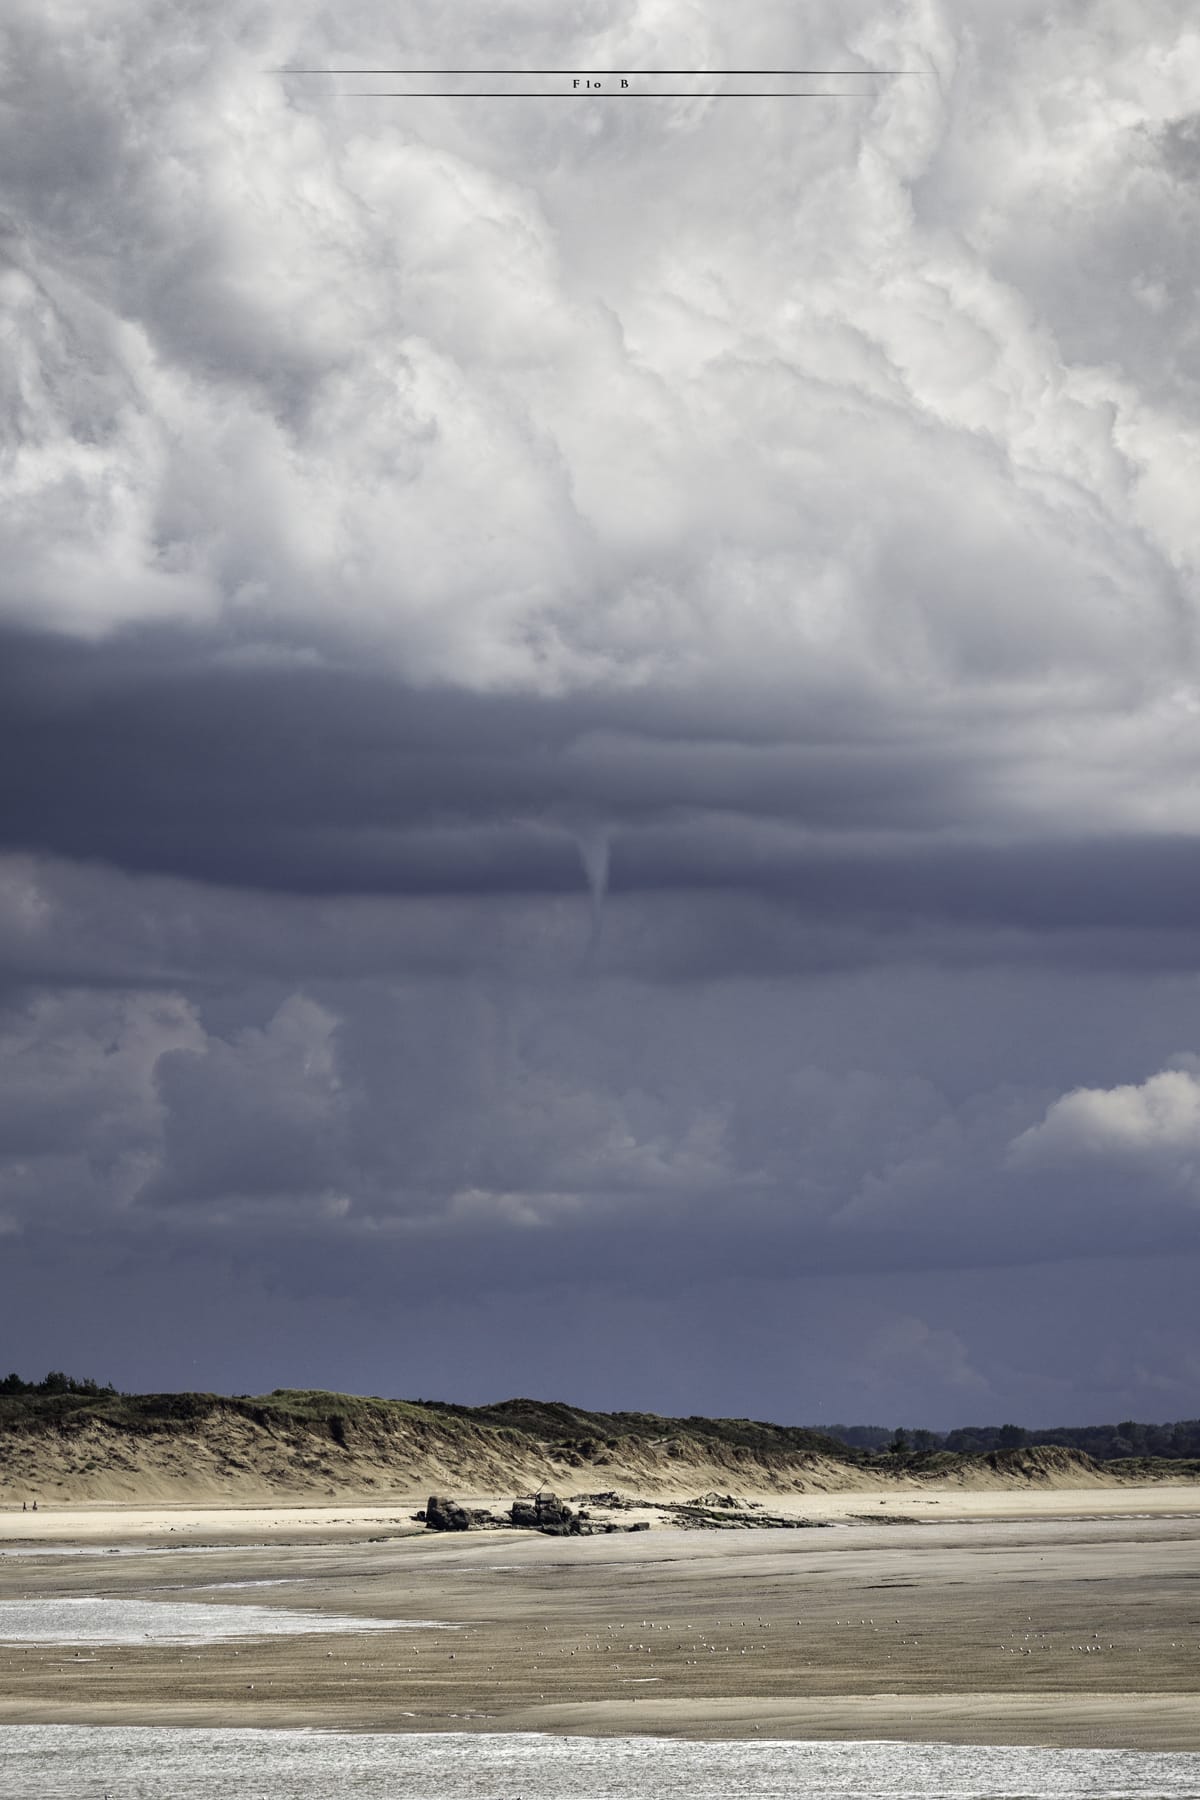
column 186, row 1446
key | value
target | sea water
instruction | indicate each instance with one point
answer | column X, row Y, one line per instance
column 118, row 1621
column 81, row 1762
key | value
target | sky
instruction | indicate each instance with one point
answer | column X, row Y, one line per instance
column 600, row 707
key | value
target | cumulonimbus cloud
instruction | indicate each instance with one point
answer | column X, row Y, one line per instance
column 777, row 515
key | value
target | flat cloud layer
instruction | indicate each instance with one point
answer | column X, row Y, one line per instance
column 599, row 699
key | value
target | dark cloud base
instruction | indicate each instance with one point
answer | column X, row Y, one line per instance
column 150, row 755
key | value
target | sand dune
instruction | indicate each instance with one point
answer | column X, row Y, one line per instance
column 193, row 1449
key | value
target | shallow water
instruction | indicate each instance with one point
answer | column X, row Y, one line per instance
column 79, row 1762
column 119, row 1621
column 181, row 1549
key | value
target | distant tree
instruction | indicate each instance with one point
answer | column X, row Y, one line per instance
column 968, row 1440
column 859, row 1437
column 1011, row 1437
column 899, row 1445
column 56, row 1382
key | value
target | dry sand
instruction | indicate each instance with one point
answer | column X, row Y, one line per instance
column 1077, row 1626
column 294, row 1518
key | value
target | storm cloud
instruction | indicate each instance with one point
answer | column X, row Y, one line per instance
column 598, row 706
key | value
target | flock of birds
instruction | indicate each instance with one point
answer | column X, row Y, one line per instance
column 689, row 1645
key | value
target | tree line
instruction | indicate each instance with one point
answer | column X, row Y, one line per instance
column 54, row 1383
column 1106, row 1443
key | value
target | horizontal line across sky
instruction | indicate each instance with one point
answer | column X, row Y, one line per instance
column 517, row 94
column 776, row 74
column 596, row 94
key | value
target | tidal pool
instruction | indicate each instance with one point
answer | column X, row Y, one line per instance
column 94, row 1620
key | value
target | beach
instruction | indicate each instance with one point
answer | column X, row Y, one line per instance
column 1057, row 1619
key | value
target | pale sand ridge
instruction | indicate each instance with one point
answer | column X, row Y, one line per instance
column 354, row 1517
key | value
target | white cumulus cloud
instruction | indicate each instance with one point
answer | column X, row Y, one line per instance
column 1155, row 1124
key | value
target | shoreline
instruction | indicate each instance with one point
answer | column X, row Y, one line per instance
column 1151, row 1722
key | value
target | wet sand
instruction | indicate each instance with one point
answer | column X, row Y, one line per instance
column 1058, row 1630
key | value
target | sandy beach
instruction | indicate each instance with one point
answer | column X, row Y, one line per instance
column 1056, row 1619
column 122, row 1523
